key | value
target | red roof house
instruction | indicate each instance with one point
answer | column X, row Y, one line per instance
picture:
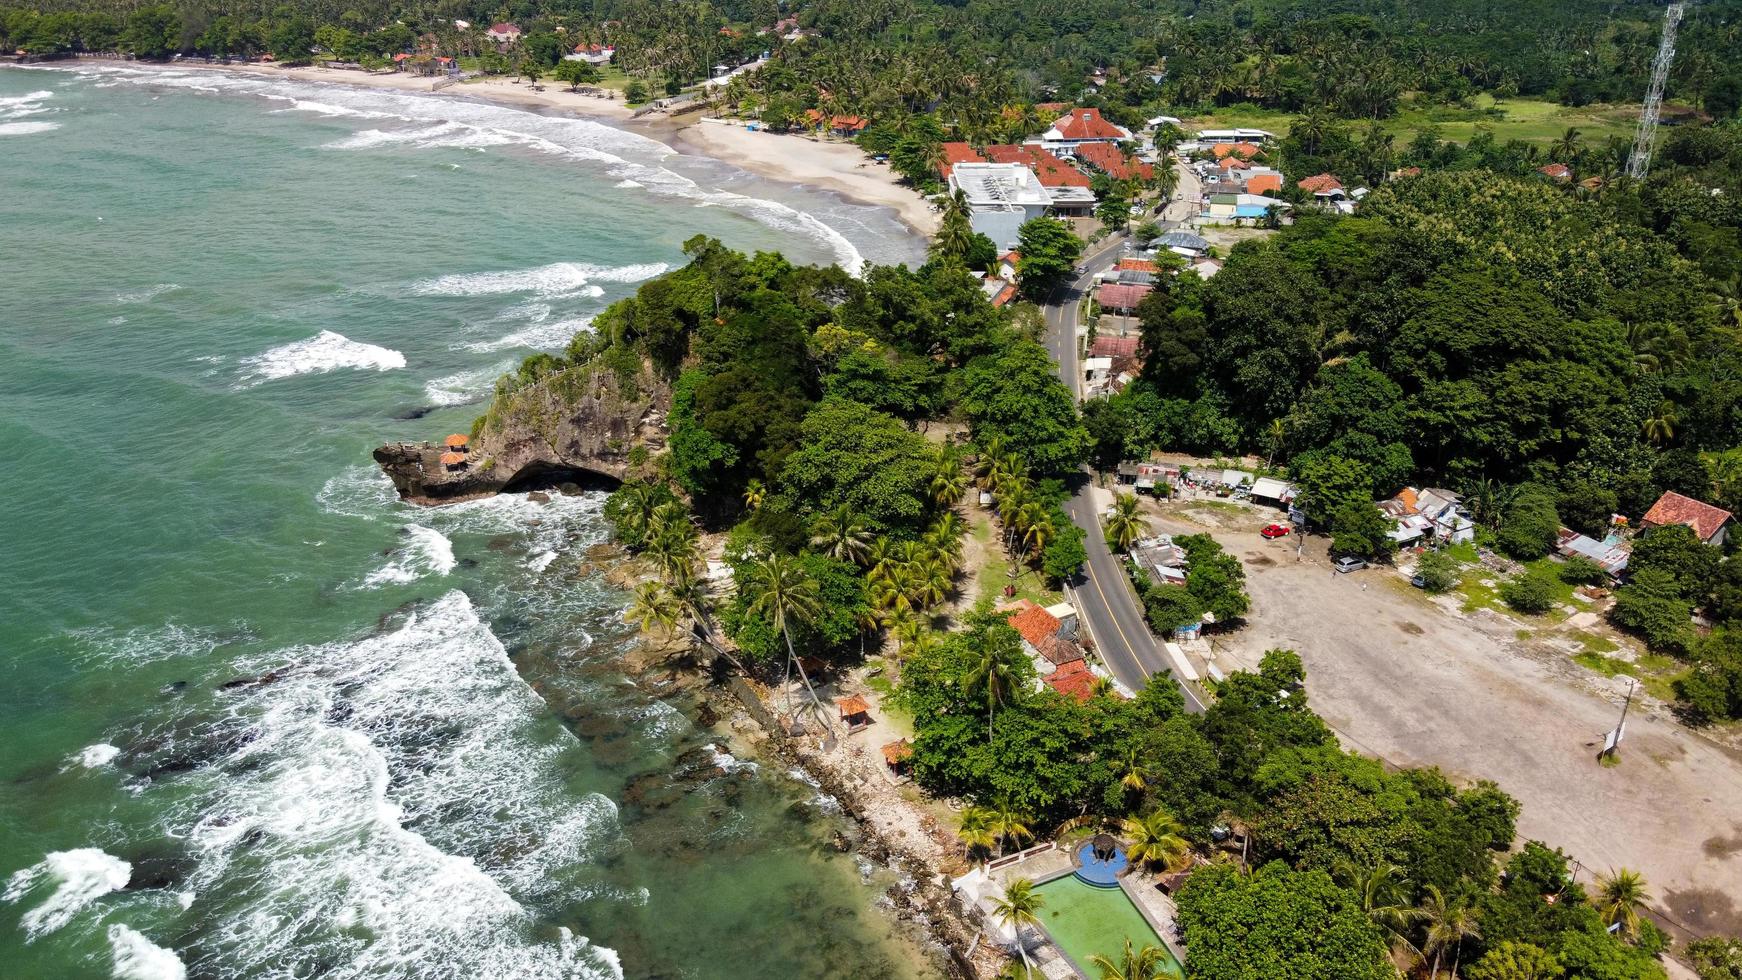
column 1085, row 125
column 1710, row 523
column 1264, row 183
column 848, row 125
column 1121, row 296
column 1558, row 172
column 1114, row 346
column 1035, row 624
column 1135, row 265
column 954, row 153
column 1052, row 171
column 1107, row 158
column 1072, row 679
column 1244, row 151
column 1321, row 184
column 502, row 32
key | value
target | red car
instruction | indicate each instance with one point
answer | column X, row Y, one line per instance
column 1275, row 531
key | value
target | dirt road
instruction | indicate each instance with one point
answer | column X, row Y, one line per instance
column 1402, row 677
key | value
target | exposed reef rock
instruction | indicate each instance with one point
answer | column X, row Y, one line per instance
column 565, row 424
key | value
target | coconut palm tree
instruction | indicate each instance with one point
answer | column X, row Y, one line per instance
column 1019, row 906
column 1449, row 924
column 754, row 492
column 1156, row 839
column 782, row 591
column 671, row 542
column 1127, row 525
column 955, row 234
column 1661, row 428
column 1384, row 898
column 1619, row 898
column 1148, row 963
column 1011, row 825
column 1134, row 774
column 654, row 608
column 1566, row 147
column 842, row 535
column 635, row 505
column 995, row 677
column 975, row 829
column 946, row 479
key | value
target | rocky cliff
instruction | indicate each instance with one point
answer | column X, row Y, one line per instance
column 573, row 424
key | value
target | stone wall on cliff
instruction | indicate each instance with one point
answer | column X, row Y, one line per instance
column 574, row 423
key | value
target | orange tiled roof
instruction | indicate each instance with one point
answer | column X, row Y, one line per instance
column 898, row 751
column 1321, row 183
column 954, row 153
column 1114, row 346
column 1244, row 151
column 1263, row 183
column 1135, row 265
column 1052, row 171
column 1087, row 124
column 1035, row 625
column 1106, row 157
column 1673, row 508
column 1073, row 680
column 852, row 705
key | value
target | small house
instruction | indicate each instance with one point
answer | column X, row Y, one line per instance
column 1121, row 298
column 1611, row 553
column 848, row 127
column 855, row 712
column 1072, row 679
column 897, row 755
column 503, row 33
column 1710, row 524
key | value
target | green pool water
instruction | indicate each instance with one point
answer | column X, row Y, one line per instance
column 1084, row 921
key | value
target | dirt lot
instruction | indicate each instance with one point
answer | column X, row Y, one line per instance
column 1417, row 682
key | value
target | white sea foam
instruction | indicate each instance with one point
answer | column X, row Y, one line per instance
column 146, row 645
column 326, row 351
column 26, row 128
column 627, row 183
column 426, row 551
column 23, row 101
column 629, row 157
column 138, row 958
column 359, row 491
column 147, row 295
column 727, row 761
column 541, row 561
column 541, row 335
column 545, row 280
column 80, row 877
column 116, row 321
column 465, row 386
column 97, row 756
column 401, row 787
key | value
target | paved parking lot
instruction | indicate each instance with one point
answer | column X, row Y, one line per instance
column 1402, row 677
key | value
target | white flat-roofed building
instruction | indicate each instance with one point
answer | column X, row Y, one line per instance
column 1001, row 197
column 1235, row 136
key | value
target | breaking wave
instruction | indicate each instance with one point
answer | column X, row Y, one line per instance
column 427, row 121
column 26, row 128
column 138, row 958
column 326, row 351
column 425, row 552
column 465, row 386
column 79, row 877
column 555, row 279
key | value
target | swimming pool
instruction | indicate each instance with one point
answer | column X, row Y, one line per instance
column 1084, row 920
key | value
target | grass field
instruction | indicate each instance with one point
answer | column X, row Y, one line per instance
column 995, row 572
column 1532, row 120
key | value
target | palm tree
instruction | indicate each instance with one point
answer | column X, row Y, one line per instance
column 1127, row 525
column 1661, row 428
column 1135, row 774
column 654, row 608
column 1010, row 825
column 842, row 535
column 637, row 502
column 1148, row 963
column 975, row 829
column 782, row 591
column 1449, row 924
column 946, row 479
column 994, row 675
column 1156, row 839
column 671, row 541
column 754, row 492
column 955, row 233
column 1019, row 906
column 1274, row 436
column 1384, row 899
column 1565, row 149
column 1619, row 897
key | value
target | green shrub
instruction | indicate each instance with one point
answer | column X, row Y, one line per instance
column 1438, row 571
column 1530, row 592
column 1579, row 570
column 1651, row 606
column 1530, row 524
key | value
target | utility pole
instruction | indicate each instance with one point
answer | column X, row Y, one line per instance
column 1612, row 741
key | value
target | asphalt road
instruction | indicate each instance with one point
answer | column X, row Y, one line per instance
column 1104, row 598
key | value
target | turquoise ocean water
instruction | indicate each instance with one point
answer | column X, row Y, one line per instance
column 259, row 719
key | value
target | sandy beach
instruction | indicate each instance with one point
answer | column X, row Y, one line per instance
column 839, row 167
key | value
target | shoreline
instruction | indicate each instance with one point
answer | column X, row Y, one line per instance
column 841, row 169
column 838, row 167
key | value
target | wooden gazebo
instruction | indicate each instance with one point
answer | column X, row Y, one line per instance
column 453, row 461
column 896, row 755
column 855, row 712
column 456, row 443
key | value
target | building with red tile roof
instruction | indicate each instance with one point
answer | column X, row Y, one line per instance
column 1135, row 265
column 1108, row 159
column 1266, row 183
column 1035, row 624
column 1082, row 126
column 1114, row 346
column 1052, row 171
column 1710, row 524
column 848, row 125
column 1558, row 172
column 1244, row 151
column 1120, row 296
column 957, row 152
column 1321, row 184
column 1073, row 680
